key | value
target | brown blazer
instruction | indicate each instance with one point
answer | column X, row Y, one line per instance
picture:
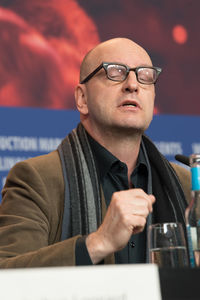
column 31, row 215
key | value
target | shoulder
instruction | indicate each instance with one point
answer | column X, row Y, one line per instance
column 48, row 163
column 185, row 179
column 182, row 172
column 44, row 170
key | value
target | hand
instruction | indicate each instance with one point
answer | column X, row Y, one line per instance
column 126, row 215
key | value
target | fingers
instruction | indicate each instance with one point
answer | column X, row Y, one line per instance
column 144, row 200
column 133, row 207
column 134, row 201
column 126, row 215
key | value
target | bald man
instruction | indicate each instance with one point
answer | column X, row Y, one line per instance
column 92, row 200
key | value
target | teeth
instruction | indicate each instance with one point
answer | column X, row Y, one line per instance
column 130, row 105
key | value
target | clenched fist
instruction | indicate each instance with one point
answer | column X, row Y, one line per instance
column 126, row 215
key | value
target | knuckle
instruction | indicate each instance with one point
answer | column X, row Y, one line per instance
column 116, row 200
column 115, row 197
column 138, row 190
column 125, row 218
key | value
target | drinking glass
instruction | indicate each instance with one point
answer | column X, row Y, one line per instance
column 167, row 245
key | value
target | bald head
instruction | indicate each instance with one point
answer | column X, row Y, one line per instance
column 113, row 50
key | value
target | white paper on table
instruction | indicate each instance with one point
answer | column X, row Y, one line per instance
column 106, row 282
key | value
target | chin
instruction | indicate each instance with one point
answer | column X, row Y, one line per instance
column 130, row 129
column 135, row 126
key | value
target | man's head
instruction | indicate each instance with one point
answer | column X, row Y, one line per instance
column 116, row 106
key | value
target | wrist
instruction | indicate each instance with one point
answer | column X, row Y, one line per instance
column 97, row 248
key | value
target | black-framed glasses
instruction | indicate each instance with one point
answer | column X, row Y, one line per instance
column 119, row 72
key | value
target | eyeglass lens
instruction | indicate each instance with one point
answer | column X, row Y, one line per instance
column 116, row 72
column 119, row 73
column 146, row 75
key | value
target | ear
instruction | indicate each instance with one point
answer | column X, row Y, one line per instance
column 81, row 98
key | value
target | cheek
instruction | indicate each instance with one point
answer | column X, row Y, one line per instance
column 94, row 106
column 149, row 103
column 151, row 97
column 97, row 100
column 152, row 106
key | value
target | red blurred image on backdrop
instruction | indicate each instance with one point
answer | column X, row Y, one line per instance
column 42, row 43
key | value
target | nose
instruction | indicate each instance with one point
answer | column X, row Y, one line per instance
column 130, row 84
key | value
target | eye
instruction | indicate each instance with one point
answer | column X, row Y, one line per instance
column 146, row 74
column 116, row 71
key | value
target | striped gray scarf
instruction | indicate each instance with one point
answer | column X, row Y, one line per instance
column 82, row 208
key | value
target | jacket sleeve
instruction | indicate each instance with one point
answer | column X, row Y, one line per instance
column 31, row 216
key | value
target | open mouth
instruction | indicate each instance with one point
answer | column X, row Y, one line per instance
column 130, row 104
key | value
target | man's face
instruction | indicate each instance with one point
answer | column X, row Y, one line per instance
column 126, row 105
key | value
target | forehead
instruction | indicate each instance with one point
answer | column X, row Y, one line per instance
column 125, row 52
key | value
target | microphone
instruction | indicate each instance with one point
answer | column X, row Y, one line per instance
column 183, row 159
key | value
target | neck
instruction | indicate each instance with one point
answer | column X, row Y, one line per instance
column 123, row 144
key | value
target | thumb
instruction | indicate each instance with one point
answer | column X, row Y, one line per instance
column 153, row 199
